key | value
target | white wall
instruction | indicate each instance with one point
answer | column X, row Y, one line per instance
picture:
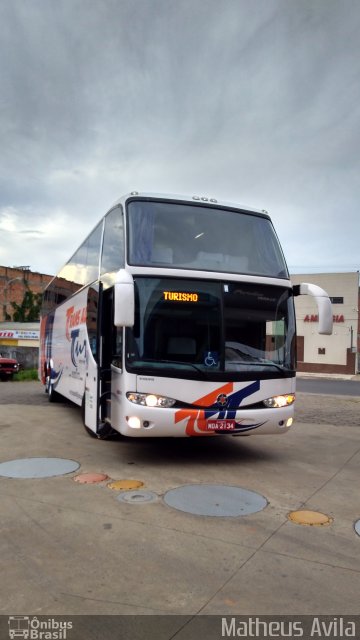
column 345, row 285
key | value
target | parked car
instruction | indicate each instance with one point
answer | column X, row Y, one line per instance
column 8, row 366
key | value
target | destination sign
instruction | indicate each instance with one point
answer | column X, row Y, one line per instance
column 181, row 296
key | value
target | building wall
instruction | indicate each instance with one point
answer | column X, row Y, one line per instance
column 20, row 340
column 14, row 282
column 336, row 353
column 27, row 356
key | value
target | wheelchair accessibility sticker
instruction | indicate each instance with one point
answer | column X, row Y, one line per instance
column 211, row 358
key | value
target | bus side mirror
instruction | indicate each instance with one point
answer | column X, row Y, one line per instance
column 323, row 304
column 124, row 299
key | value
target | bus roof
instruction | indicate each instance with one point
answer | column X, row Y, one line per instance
column 195, row 199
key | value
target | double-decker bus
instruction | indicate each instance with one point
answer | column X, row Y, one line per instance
column 175, row 317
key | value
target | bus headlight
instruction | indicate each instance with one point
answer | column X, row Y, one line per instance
column 280, row 401
column 150, row 399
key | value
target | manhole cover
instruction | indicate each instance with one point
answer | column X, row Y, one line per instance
column 215, row 500
column 137, row 497
column 357, row 527
column 125, row 485
column 37, row 467
column 91, row 478
column 310, row 518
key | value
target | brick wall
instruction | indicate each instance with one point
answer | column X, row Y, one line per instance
column 13, row 285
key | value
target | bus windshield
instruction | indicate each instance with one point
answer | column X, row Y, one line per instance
column 211, row 330
column 185, row 236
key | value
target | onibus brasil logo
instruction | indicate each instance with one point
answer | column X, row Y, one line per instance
column 31, row 628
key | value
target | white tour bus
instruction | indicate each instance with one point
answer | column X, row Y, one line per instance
column 176, row 317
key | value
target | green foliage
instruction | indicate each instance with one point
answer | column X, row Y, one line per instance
column 29, row 309
column 26, row 374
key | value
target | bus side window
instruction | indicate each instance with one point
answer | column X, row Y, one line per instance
column 113, row 246
column 93, row 245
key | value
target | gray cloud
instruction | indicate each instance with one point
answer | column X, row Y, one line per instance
column 253, row 102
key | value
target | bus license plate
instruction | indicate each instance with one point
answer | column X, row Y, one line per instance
column 220, row 425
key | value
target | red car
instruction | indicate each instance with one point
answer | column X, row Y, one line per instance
column 8, row 366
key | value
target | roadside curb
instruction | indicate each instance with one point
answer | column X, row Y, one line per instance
column 328, row 376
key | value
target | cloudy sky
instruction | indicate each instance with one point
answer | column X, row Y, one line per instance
column 248, row 101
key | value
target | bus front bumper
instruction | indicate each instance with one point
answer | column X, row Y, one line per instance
column 141, row 421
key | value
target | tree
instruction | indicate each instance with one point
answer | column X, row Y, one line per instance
column 29, row 309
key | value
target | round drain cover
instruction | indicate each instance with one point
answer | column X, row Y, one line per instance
column 37, row 467
column 125, row 485
column 215, row 500
column 310, row 518
column 91, row 478
column 357, row 527
column 137, row 497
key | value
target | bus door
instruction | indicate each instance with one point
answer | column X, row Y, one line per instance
column 106, row 355
column 102, row 337
column 91, row 410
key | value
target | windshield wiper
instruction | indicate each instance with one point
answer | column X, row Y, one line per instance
column 256, row 363
column 187, row 364
column 280, row 367
column 171, row 362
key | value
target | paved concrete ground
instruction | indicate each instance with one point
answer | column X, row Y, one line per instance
column 71, row 549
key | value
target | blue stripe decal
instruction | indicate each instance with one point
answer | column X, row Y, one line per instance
column 235, row 399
